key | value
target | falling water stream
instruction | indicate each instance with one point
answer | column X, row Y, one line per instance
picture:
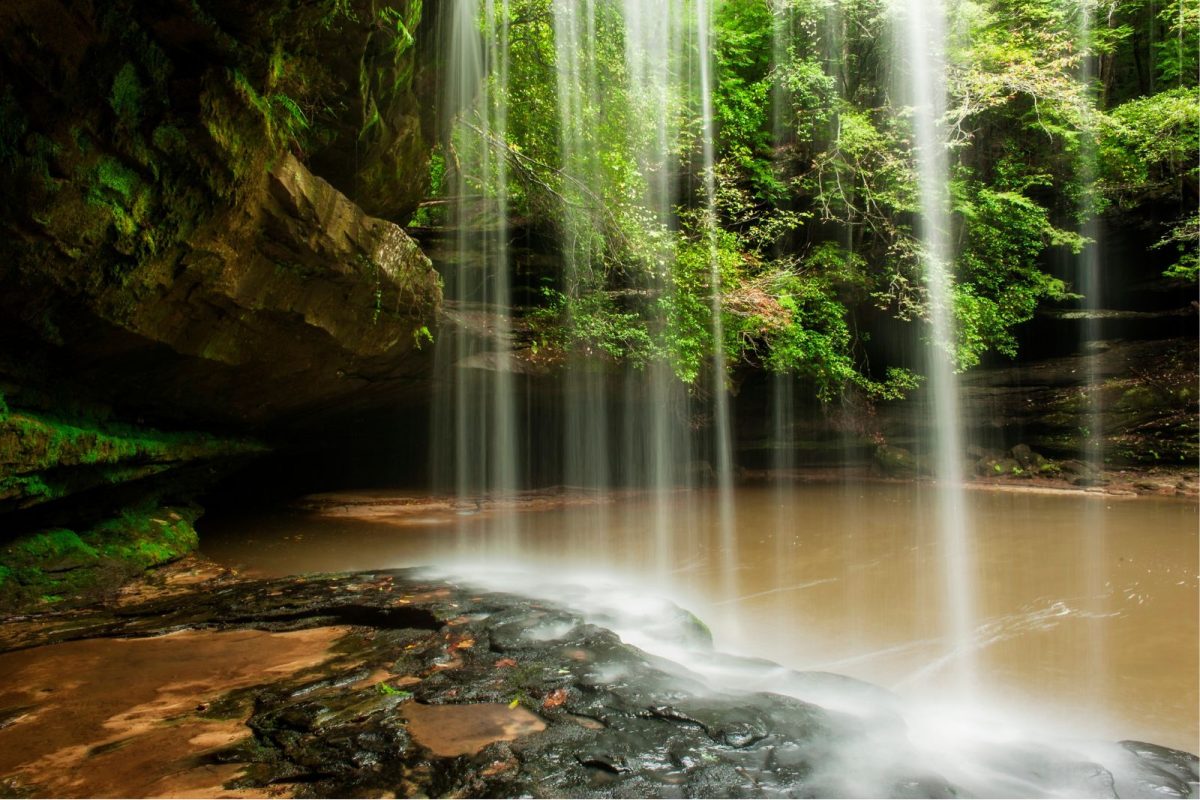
column 475, row 416
column 925, row 29
column 1091, row 346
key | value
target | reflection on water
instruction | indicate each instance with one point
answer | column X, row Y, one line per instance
column 845, row 579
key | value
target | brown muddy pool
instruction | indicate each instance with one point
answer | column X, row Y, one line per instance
column 1086, row 616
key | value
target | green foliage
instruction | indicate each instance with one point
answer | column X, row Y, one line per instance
column 590, row 323
column 688, row 335
column 114, row 182
column 741, row 99
column 1148, row 146
column 1185, row 238
column 286, row 122
column 816, row 190
column 169, row 139
column 1000, row 282
column 429, row 214
column 1147, row 152
column 422, row 336
column 41, row 450
column 1177, row 53
column 400, row 24
column 333, row 12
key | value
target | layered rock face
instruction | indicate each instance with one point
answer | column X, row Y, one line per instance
column 166, row 246
column 199, row 223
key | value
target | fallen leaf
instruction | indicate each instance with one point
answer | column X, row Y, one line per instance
column 465, row 643
column 496, row 767
column 555, row 699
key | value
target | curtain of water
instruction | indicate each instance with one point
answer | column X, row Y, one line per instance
column 586, row 456
column 668, row 69
column 657, row 406
column 782, row 399
column 924, row 49
column 782, row 384
column 477, row 447
column 1090, row 270
column 722, row 432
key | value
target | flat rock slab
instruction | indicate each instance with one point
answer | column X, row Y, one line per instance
column 459, row 730
column 387, row 684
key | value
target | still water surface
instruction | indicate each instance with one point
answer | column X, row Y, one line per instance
column 1087, row 606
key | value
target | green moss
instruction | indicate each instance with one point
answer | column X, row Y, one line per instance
column 146, row 536
column 33, row 488
column 47, row 458
column 56, row 565
column 112, row 178
column 169, row 139
column 126, row 96
column 51, row 544
column 1139, row 398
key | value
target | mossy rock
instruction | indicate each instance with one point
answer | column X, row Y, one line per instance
column 44, row 458
column 59, row 566
column 896, row 461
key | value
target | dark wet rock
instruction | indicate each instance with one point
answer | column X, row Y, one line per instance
column 896, row 461
column 1160, row 772
column 1074, row 468
column 1024, row 455
column 1024, row 770
column 443, row 690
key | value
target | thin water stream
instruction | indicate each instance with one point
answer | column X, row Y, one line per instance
column 847, row 583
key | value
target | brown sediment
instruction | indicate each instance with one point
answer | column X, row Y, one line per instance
column 456, row 730
column 425, row 510
column 123, row 717
column 1182, row 482
column 428, row 510
column 173, row 580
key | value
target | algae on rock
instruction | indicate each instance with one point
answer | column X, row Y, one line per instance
column 62, row 566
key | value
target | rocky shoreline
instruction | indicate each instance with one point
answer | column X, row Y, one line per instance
column 388, row 683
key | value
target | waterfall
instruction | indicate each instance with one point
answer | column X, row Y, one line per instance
column 653, row 37
column 620, row 426
column 476, row 444
column 925, row 51
column 782, row 413
column 1090, row 271
column 586, row 448
column 722, row 432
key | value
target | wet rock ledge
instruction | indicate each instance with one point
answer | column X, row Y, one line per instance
column 386, row 684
